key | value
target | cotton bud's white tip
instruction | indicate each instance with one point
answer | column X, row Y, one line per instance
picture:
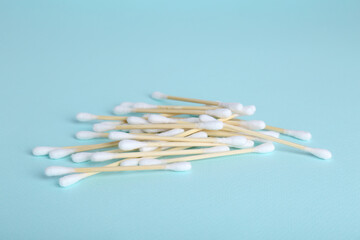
column 213, row 125
column 86, row 135
column 120, row 136
column 217, row 149
column 158, row 95
column 81, row 157
column 248, row 110
column 303, row 135
column 102, row 156
column 171, row 132
column 220, row 113
column 154, row 130
column 58, row 170
column 40, row 151
column 150, row 161
column 179, row 166
column 130, row 162
column 248, row 144
column 136, row 120
column 235, row 107
column 198, row 135
column 320, row 153
column 253, row 124
column 71, row 179
column 134, row 131
column 206, row 118
column 143, row 105
column 103, row 127
column 85, row 117
column 148, row 149
column 156, row 118
column 60, row 153
column 127, row 145
column 122, row 109
column 236, row 141
column 265, row 148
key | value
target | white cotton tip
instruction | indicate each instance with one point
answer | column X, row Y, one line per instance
column 192, row 119
column 120, row 136
column 219, row 113
column 85, row 117
column 265, row 148
column 235, row 107
column 130, row 162
column 248, row 144
column 154, row 130
column 320, row 153
column 236, row 141
column 147, row 149
column 136, row 120
column 179, row 166
column 126, row 104
column 156, row 118
column 86, row 135
column 127, row 145
column 103, row 127
column 171, row 133
column 206, row 118
column 143, row 105
column 303, row 135
column 60, row 153
column 58, row 170
column 40, row 151
column 68, row 180
column 253, row 124
column 150, row 161
column 248, row 110
column 217, row 149
column 121, row 109
column 158, row 95
column 81, row 157
column 102, row 156
column 213, row 125
column 198, row 135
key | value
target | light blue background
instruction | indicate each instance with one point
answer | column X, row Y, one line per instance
column 297, row 61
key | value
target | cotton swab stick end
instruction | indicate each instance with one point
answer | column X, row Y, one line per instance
column 40, row 151
column 198, row 135
column 265, row 148
column 158, row 95
column 85, row 117
column 122, row 109
column 102, row 156
column 235, row 107
column 103, row 127
column 211, row 125
column 303, row 135
column 68, row 180
column 58, row 170
column 119, row 136
column 86, row 135
column 130, row 162
column 320, row 153
column 206, row 118
column 127, row 145
column 81, row 157
column 172, row 132
column 220, row 113
column 150, row 161
column 60, row 153
column 155, row 118
column 233, row 141
column 248, row 110
column 179, row 166
column 136, row 120
column 254, row 124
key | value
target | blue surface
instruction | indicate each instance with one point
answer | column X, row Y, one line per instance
column 297, row 61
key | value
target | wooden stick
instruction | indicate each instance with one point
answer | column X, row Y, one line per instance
column 263, row 136
column 157, row 126
column 275, row 129
column 94, row 146
column 187, row 107
column 113, row 118
column 183, row 144
column 174, row 139
column 173, row 111
column 192, row 100
column 119, row 168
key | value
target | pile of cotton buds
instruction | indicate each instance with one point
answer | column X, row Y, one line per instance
column 169, row 137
